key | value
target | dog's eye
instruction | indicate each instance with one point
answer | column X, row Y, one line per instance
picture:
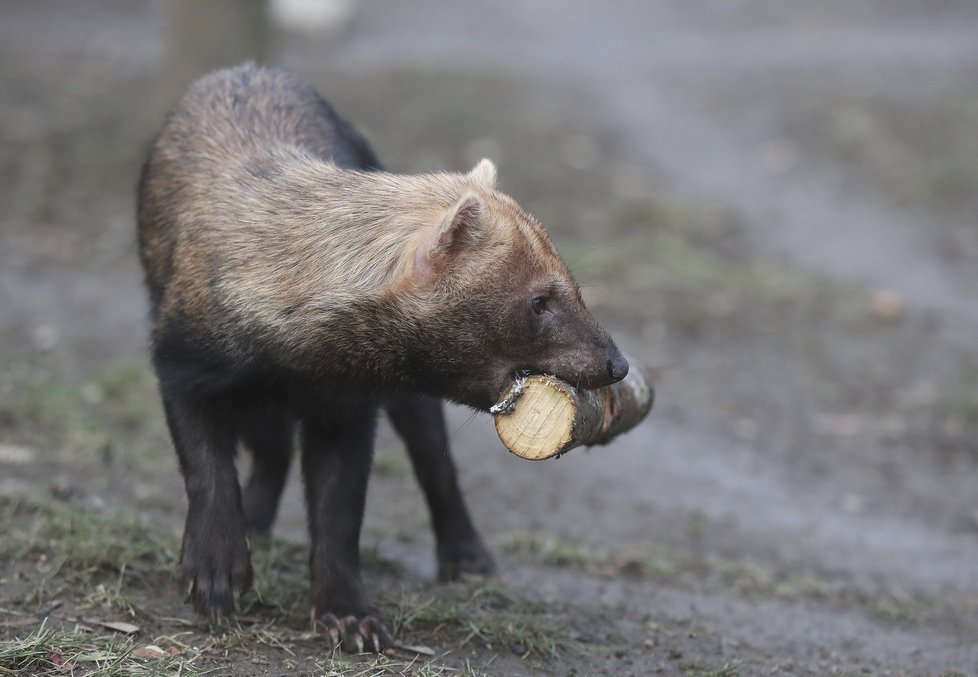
column 539, row 304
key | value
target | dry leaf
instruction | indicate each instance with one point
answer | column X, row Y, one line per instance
column 150, row 651
column 118, row 626
column 18, row 623
column 420, row 650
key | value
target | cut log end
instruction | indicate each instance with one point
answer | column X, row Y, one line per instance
column 542, row 416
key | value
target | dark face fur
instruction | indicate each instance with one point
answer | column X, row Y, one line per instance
column 545, row 328
column 515, row 310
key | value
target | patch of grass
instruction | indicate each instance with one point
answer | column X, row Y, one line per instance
column 82, row 549
column 340, row 665
column 47, row 651
column 113, row 416
column 749, row 580
column 482, row 612
column 949, row 425
column 699, row 670
column 553, row 551
column 32, row 398
column 113, row 558
column 281, row 579
column 564, row 554
column 889, row 608
column 106, row 566
column 79, row 651
column 753, row 580
column 657, row 566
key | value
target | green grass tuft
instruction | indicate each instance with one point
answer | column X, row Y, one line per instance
column 83, row 549
column 113, row 416
column 482, row 612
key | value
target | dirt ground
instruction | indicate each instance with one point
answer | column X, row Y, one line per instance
column 773, row 206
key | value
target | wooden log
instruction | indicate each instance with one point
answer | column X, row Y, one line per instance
column 541, row 416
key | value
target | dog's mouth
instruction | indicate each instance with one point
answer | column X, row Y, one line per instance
column 510, row 392
column 506, row 385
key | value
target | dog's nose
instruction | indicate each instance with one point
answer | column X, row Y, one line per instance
column 617, row 367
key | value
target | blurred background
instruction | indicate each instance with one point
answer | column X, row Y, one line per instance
column 773, row 206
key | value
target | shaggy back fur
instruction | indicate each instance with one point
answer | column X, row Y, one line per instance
column 258, row 242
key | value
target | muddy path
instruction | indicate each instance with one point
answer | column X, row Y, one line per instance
column 774, row 208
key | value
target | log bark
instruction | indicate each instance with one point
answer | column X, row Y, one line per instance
column 541, row 416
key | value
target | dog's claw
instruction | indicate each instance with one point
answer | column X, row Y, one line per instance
column 355, row 635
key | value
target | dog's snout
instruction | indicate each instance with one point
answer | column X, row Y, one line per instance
column 617, row 367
